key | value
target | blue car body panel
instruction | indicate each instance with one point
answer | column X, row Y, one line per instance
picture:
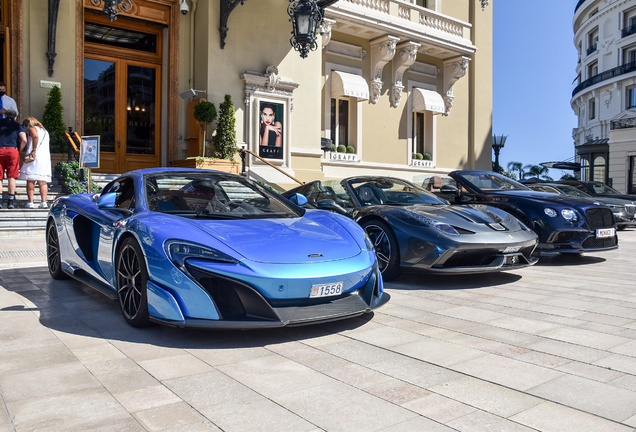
column 274, row 261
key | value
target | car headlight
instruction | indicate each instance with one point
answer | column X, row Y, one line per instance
column 368, row 243
column 569, row 215
column 441, row 226
column 550, row 212
column 179, row 251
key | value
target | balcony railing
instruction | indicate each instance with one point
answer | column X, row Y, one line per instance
column 628, row 30
column 617, row 71
column 591, row 49
column 626, row 123
column 408, row 11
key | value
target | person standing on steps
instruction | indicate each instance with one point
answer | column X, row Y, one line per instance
column 12, row 141
column 6, row 102
column 39, row 167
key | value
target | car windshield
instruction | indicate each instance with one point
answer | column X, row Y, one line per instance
column 390, row 191
column 600, row 188
column 492, row 181
column 544, row 188
column 572, row 191
column 214, row 196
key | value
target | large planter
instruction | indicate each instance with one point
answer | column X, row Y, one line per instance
column 224, row 165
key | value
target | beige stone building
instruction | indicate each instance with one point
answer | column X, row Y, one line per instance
column 390, row 80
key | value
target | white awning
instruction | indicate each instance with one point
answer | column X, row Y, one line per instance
column 427, row 100
column 348, row 85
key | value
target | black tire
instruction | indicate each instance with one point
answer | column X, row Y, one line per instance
column 132, row 280
column 386, row 246
column 53, row 257
column 621, row 227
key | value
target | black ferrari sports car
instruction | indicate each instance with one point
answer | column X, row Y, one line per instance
column 563, row 223
column 412, row 228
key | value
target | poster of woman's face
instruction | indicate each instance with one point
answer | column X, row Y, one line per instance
column 270, row 129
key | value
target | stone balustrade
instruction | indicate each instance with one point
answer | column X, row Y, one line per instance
column 407, row 10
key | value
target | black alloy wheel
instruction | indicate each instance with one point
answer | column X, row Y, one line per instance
column 53, row 252
column 132, row 279
column 386, row 248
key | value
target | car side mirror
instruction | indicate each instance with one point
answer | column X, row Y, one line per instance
column 298, row 199
column 330, row 204
column 449, row 189
column 107, row 202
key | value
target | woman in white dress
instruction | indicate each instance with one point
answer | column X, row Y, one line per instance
column 40, row 168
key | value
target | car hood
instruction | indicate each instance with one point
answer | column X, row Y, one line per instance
column 630, row 198
column 315, row 237
column 613, row 201
column 476, row 218
column 543, row 197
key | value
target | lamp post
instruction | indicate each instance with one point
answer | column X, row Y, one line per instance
column 306, row 17
column 110, row 7
column 498, row 142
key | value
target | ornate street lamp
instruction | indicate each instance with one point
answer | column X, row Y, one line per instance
column 111, row 7
column 498, row 142
column 306, row 18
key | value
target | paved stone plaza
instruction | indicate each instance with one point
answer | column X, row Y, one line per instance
column 549, row 348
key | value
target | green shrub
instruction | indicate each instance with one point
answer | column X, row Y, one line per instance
column 342, row 149
column 351, row 149
column 427, row 156
column 418, row 156
column 54, row 123
column 225, row 139
column 70, row 172
column 205, row 113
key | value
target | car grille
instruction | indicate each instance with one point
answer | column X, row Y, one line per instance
column 565, row 236
column 600, row 217
column 630, row 209
column 593, row 242
column 234, row 300
column 471, row 258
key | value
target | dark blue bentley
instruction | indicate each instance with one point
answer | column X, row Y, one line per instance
column 563, row 223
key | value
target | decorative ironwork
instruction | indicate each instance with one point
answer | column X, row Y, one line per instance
column 227, row 6
column 54, row 6
column 306, row 17
column 626, row 123
column 611, row 73
column 484, row 3
column 112, row 8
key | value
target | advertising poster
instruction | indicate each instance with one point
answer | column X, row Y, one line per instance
column 270, row 129
column 89, row 152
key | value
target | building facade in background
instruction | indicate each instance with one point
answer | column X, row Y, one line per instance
column 605, row 96
column 403, row 86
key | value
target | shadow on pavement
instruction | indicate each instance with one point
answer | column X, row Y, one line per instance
column 73, row 308
column 557, row 259
column 426, row 281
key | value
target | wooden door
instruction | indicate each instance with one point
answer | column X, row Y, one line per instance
column 122, row 89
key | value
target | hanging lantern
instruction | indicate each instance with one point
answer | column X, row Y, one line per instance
column 306, row 18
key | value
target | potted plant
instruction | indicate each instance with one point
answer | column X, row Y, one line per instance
column 54, row 123
column 225, row 139
column 205, row 113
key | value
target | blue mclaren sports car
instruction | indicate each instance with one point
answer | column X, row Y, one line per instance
column 187, row 247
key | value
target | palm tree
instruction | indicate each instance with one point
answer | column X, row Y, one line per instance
column 538, row 171
column 517, row 167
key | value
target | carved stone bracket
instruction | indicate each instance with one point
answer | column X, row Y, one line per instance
column 327, row 24
column 227, row 6
column 54, row 6
column 406, row 55
column 454, row 69
column 382, row 51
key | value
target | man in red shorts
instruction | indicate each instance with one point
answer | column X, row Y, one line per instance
column 12, row 141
